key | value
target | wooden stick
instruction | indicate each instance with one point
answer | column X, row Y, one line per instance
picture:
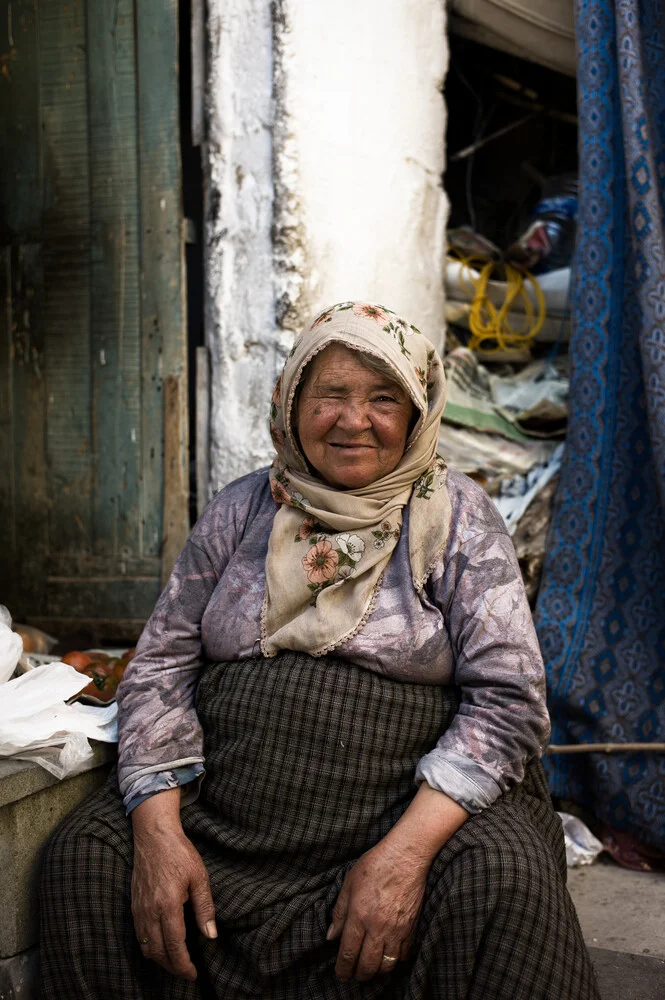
column 176, row 514
column 606, row 748
column 198, row 56
column 475, row 146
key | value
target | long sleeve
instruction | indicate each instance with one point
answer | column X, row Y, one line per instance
column 157, row 724
column 502, row 721
column 160, row 737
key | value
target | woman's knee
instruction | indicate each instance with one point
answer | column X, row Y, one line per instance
column 80, row 864
column 517, row 870
column 66, row 872
column 504, row 864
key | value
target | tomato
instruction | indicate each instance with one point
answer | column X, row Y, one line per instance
column 129, row 654
column 102, row 686
column 119, row 670
column 101, row 667
column 79, row 661
column 105, row 676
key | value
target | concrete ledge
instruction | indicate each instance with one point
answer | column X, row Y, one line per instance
column 19, row 976
column 32, row 804
column 19, row 778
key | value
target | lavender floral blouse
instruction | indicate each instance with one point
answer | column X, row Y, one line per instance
column 471, row 627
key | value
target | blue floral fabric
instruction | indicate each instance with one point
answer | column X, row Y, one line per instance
column 601, row 611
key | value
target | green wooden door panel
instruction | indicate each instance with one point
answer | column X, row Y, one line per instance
column 31, row 499
column 162, row 293
column 20, row 172
column 7, row 539
column 63, row 96
column 91, row 295
column 114, row 275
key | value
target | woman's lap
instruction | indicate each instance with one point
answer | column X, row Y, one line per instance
column 278, row 825
column 497, row 921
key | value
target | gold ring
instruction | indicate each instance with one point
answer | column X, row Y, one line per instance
column 144, row 941
column 388, row 958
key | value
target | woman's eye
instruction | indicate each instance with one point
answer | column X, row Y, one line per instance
column 385, row 399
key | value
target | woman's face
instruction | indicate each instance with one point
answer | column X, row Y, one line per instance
column 352, row 422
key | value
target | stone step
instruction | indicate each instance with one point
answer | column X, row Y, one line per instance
column 622, row 976
column 622, row 914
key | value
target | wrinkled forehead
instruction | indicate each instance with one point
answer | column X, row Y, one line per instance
column 339, row 364
column 336, row 361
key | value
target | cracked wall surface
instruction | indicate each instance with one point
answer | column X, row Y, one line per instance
column 240, row 296
column 325, row 154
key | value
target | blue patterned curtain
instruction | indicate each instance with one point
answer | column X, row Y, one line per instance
column 601, row 611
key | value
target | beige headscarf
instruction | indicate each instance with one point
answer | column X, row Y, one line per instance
column 328, row 548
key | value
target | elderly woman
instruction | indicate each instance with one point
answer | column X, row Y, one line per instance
column 330, row 734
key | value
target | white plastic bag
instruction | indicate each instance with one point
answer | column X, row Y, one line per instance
column 37, row 724
column 62, row 760
column 582, row 848
column 11, row 646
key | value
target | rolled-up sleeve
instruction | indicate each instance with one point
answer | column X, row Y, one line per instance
column 502, row 721
column 188, row 778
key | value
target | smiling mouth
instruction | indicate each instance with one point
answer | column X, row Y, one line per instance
column 351, row 447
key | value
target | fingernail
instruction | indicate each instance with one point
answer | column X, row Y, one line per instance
column 211, row 929
column 331, row 931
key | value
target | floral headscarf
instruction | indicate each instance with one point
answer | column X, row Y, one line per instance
column 328, row 547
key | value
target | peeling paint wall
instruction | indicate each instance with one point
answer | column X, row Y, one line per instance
column 325, row 157
column 240, row 297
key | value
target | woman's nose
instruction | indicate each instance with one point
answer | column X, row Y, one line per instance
column 354, row 417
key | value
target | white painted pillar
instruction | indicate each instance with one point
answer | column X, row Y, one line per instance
column 325, row 156
column 359, row 155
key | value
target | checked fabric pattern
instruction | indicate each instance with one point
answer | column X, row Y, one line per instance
column 309, row 762
column 601, row 612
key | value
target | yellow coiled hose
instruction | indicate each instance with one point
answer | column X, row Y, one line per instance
column 489, row 326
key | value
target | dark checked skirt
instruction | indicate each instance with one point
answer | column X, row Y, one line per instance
column 309, row 763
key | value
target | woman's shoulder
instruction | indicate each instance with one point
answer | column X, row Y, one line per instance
column 473, row 512
column 242, row 490
column 234, row 505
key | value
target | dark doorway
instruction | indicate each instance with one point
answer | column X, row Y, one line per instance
column 192, row 191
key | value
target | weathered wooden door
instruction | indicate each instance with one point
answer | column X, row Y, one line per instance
column 93, row 433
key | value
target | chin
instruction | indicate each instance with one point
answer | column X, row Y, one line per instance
column 354, row 480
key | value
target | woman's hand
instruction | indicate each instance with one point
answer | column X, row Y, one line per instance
column 378, row 905
column 168, row 870
column 376, row 911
